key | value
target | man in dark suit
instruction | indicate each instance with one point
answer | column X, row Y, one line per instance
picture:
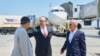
column 75, row 41
column 43, row 36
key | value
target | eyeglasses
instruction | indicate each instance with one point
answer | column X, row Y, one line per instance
column 70, row 24
column 42, row 21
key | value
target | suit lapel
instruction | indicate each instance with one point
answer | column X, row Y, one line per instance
column 39, row 30
column 68, row 36
column 74, row 36
column 48, row 30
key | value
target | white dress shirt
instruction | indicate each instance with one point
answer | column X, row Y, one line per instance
column 45, row 28
column 71, row 35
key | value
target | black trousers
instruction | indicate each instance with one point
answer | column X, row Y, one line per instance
column 45, row 52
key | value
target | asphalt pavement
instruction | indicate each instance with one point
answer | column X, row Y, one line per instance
column 92, row 41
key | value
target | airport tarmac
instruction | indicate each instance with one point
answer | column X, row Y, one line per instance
column 92, row 40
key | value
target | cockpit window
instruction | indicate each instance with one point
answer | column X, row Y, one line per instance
column 62, row 10
column 57, row 10
column 52, row 10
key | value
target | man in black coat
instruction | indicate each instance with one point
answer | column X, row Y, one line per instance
column 43, row 36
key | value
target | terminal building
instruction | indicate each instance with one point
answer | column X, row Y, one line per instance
column 89, row 13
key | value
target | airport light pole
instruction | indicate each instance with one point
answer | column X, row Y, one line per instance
column 97, row 14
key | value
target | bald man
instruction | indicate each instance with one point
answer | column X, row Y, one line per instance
column 75, row 41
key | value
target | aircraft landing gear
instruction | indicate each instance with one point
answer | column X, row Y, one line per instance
column 99, row 33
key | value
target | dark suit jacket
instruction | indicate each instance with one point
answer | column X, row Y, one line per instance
column 43, row 46
column 77, row 47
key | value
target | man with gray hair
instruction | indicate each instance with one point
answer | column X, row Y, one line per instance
column 75, row 41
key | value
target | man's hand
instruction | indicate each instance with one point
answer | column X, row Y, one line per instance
column 61, row 52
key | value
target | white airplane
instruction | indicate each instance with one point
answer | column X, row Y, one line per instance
column 57, row 15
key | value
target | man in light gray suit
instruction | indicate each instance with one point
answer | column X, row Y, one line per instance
column 22, row 43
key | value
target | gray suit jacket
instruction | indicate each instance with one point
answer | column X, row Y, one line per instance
column 22, row 44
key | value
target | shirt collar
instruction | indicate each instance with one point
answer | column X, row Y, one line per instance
column 74, row 31
column 42, row 27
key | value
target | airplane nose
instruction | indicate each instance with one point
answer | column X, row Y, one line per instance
column 61, row 15
column 57, row 18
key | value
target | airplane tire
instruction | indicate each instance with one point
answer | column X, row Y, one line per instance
column 4, row 32
column 99, row 32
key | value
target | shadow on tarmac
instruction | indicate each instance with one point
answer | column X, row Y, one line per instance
column 93, row 36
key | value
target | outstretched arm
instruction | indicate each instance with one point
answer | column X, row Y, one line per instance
column 31, row 32
column 56, row 33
